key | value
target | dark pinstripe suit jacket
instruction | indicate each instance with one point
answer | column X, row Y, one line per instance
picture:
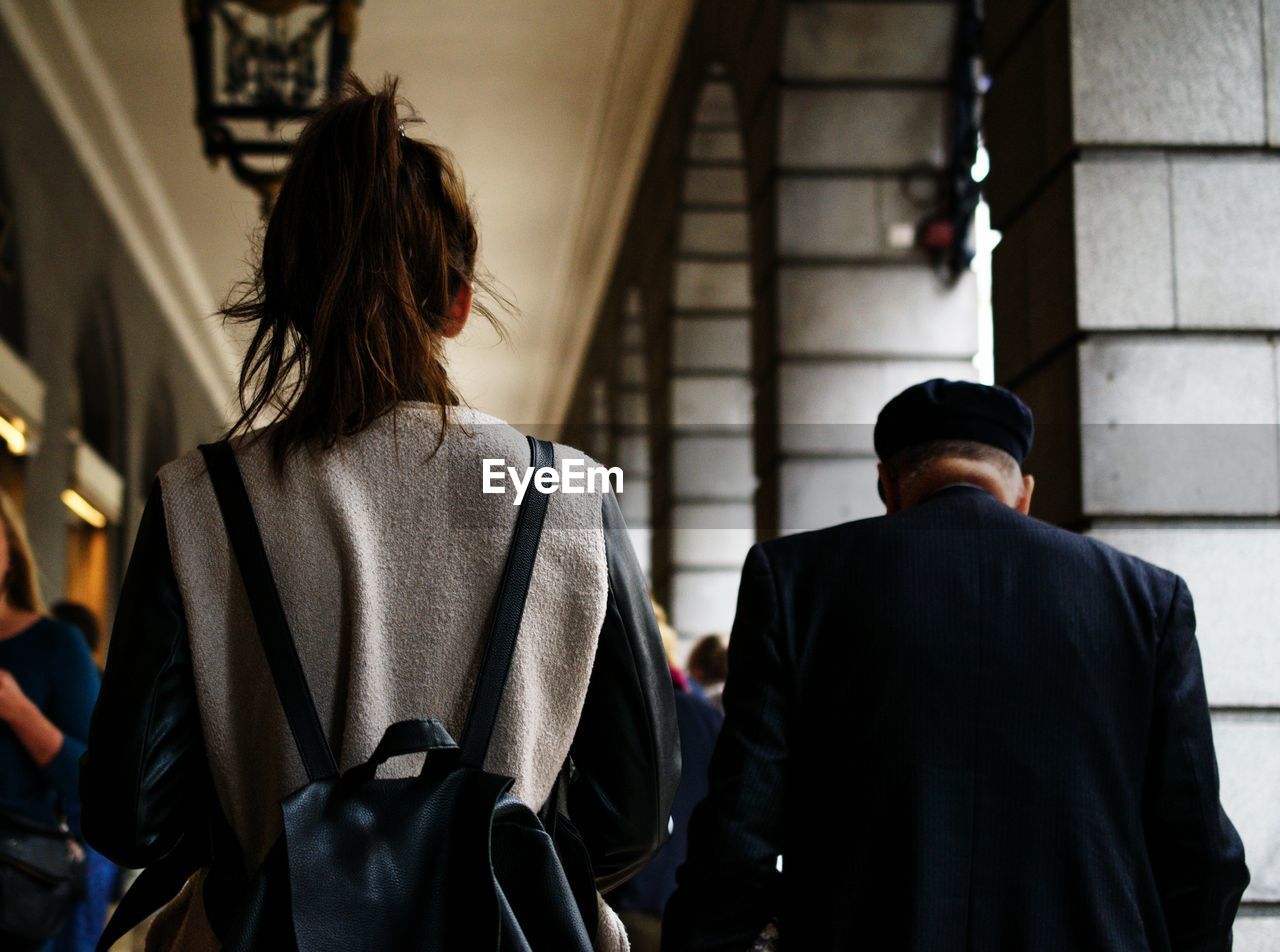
column 964, row 729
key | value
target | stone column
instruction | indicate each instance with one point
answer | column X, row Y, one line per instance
column 711, row 511
column 859, row 314
column 1136, row 288
column 630, row 428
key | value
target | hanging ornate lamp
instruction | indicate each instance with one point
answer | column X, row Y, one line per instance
column 262, row 67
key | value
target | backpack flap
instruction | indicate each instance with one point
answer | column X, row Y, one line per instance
column 540, row 905
column 399, row 863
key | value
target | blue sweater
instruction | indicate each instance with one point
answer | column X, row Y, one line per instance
column 52, row 665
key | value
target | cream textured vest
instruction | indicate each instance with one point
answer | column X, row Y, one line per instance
column 387, row 556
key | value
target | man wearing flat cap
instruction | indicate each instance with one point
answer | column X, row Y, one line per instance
column 955, row 727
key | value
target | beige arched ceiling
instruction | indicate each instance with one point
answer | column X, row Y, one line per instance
column 548, row 105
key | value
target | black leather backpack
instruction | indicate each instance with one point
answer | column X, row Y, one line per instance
column 445, row 860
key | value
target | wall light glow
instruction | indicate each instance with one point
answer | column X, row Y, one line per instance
column 14, row 434
column 82, row 508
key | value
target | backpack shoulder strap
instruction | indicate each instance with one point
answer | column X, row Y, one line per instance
column 508, row 612
column 268, row 612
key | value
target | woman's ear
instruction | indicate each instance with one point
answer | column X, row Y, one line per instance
column 459, row 311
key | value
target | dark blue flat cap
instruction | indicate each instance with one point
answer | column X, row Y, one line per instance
column 955, row 410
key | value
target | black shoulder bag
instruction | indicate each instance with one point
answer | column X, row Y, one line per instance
column 41, row 880
column 445, row 860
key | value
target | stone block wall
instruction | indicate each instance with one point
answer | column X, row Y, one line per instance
column 1134, row 180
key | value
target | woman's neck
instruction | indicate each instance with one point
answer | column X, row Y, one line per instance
column 14, row 620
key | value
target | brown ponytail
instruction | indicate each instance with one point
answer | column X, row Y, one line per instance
column 369, row 241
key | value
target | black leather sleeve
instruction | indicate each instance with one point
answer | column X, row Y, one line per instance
column 1196, row 854
column 626, row 751
column 144, row 775
column 730, row 887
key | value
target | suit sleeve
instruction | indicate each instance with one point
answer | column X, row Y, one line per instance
column 728, row 889
column 1196, row 854
column 626, row 751
column 144, row 772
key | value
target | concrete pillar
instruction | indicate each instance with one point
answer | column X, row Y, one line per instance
column 711, row 508
column 630, row 430
column 859, row 314
column 599, row 432
column 1136, row 184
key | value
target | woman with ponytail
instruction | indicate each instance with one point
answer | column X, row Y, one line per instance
column 365, row 469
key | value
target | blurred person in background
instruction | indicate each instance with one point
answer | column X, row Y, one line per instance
column 640, row 901
column 709, row 666
column 48, row 686
column 83, row 618
column 102, row 877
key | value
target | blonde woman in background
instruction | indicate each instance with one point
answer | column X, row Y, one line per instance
column 48, row 686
